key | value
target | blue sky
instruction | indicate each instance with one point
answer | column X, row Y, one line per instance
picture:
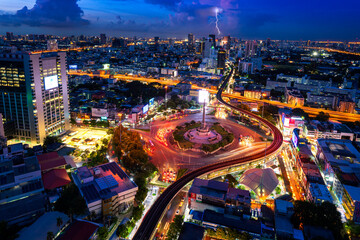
column 248, row 19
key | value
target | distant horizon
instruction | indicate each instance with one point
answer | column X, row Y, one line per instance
column 179, row 38
column 256, row 19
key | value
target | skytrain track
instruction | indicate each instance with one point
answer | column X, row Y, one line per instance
column 150, row 221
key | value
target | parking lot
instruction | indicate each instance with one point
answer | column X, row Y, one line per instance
column 84, row 138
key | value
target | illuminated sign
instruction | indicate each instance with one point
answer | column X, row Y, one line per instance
column 295, row 138
column 73, row 66
column 203, row 96
column 51, row 82
column 145, row 108
column 286, row 122
column 106, row 66
column 151, row 101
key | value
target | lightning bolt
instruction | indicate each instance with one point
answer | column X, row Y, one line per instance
column 217, row 21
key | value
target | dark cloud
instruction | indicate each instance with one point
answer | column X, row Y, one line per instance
column 49, row 13
column 128, row 25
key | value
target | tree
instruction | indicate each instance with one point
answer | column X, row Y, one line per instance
column 231, row 180
column 102, row 232
column 324, row 215
column 323, row 117
column 71, row 202
column 50, row 236
column 301, row 113
column 137, row 212
column 59, row 222
column 51, row 140
column 175, row 228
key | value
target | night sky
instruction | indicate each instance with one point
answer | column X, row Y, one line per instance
column 248, row 19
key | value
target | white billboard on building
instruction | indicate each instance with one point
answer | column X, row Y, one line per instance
column 99, row 112
column 51, row 82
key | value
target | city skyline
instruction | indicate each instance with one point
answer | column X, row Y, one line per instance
column 145, row 18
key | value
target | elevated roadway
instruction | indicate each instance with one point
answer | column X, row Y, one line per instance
column 334, row 115
column 150, row 221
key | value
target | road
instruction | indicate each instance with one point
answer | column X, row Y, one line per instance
column 150, row 221
column 334, row 115
column 170, row 157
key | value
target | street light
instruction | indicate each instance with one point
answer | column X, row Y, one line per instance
column 120, row 116
column 166, row 87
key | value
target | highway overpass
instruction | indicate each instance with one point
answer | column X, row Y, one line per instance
column 148, row 226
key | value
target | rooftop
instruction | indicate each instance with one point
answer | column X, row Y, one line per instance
column 108, row 180
column 211, row 188
column 55, row 178
column 50, row 161
column 232, row 221
column 80, row 230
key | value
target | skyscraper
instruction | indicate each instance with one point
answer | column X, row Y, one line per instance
column 103, row 38
column 208, row 44
column 191, row 39
column 221, row 58
column 213, row 40
column 250, row 48
column 34, row 95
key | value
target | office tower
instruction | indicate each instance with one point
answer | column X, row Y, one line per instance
column 156, row 39
column 191, row 39
column 52, row 45
column 103, row 38
column 250, row 48
column 34, row 95
column 268, row 42
column 213, row 40
column 208, row 44
column 221, row 59
column 9, row 36
column 118, row 43
column 21, row 199
column 227, row 42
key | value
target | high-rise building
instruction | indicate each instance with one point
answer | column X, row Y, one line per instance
column 191, row 39
column 226, row 42
column 118, row 42
column 208, row 44
column 250, row 48
column 213, row 40
column 21, row 188
column 103, row 38
column 34, row 95
column 221, row 59
column 9, row 36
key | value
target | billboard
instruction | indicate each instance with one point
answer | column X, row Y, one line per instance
column 106, row 66
column 145, row 109
column 151, row 102
column 73, row 66
column 51, row 82
column 203, row 96
column 295, row 137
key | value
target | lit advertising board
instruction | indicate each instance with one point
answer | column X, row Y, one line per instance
column 203, row 96
column 286, row 122
column 51, row 82
column 73, row 66
column 295, row 138
column 145, row 109
column 106, row 66
column 151, row 101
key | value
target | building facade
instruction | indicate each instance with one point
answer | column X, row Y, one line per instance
column 34, row 95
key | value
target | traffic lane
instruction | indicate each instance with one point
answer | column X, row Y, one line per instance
column 170, row 214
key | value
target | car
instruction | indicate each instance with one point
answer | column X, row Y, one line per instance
column 177, row 212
